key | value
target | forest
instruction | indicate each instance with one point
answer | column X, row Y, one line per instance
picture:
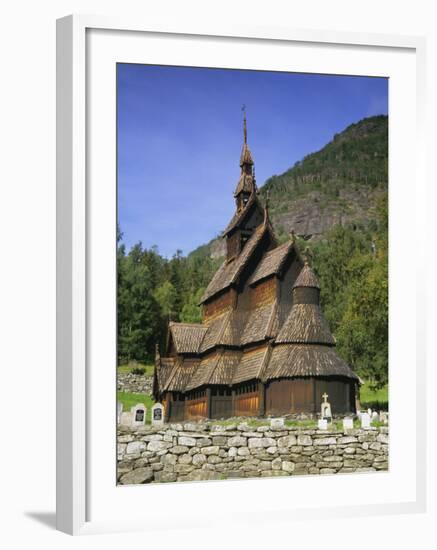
column 351, row 261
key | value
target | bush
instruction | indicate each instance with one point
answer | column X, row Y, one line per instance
column 138, row 370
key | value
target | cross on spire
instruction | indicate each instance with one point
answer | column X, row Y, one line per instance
column 325, row 397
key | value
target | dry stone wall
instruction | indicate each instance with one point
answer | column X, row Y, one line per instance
column 134, row 383
column 203, row 451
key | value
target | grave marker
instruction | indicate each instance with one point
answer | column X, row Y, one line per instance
column 322, row 424
column 138, row 415
column 157, row 415
column 365, row 421
column 348, row 423
column 326, row 408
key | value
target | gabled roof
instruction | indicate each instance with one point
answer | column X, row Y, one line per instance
column 272, row 262
column 307, row 325
column 305, row 360
column 164, row 367
column 246, row 184
column 246, row 155
column 250, row 365
column 187, row 337
column 215, row 334
column 240, row 215
column 307, row 278
column 238, row 328
column 181, row 374
column 228, row 272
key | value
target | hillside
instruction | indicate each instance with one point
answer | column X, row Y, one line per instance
column 338, row 185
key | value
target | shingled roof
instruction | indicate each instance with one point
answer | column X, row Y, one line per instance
column 307, row 278
column 272, row 262
column 250, row 365
column 305, row 324
column 238, row 328
column 228, row 272
column 305, row 360
column 246, row 184
column 240, row 215
column 187, row 337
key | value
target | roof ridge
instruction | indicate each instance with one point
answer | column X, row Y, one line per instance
column 265, row 361
column 219, row 355
column 196, row 325
column 239, row 216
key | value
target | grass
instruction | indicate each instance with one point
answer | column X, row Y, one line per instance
column 128, row 368
column 131, row 399
column 375, row 399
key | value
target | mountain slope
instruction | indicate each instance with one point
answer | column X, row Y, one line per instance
column 338, row 185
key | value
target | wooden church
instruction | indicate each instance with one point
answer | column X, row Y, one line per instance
column 264, row 346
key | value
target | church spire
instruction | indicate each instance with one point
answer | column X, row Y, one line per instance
column 246, row 184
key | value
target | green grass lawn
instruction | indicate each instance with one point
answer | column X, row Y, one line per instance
column 128, row 368
column 131, row 399
column 375, row 399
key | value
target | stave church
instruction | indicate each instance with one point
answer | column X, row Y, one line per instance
column 264, row 347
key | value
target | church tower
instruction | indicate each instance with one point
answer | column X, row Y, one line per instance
column 249, row 212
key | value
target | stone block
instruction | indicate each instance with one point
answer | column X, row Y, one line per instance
column 237, row 441
column 187, row 441
column 135, row 447
column 288, row 466
column 137, row 476
column 213, row 450
column 179, row 449
column 304, row 440
column 287, row 441
column 324, row 441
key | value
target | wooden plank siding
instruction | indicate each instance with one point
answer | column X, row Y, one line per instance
column 219, row 305
column 196, row 408
column 246, row 400
column 341, row 394
column 263, row 293
column 288, row 396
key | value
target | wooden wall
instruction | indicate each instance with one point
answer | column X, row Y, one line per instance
column 288, row 396
column 219, row 305
column 285, row 396
column 246, row 400
column 305, row 395
column 263, row 293
column 221, row 402
column 341, row 394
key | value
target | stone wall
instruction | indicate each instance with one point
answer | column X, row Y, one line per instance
column 134, row 383
column 202, row 451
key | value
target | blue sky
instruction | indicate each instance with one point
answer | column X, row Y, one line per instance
column 180, row 135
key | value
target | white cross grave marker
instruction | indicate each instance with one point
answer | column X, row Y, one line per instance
column 326, row 408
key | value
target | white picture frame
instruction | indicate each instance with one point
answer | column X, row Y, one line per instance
column 78, row 205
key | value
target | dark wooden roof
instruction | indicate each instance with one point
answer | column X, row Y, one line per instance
column 272, row 262
column 246, row 155
column 228, row 272
column 307, row 278
column 181, row 374
column 305, row 324
column 217, row 368
column 238, row 328
column 246, row 184
column 163, row 370
column 250, row 365
column 202, row 374
column 215, row 334
column 187, row 337
column 225, row 367
column 305, row 360
column 240, row 215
